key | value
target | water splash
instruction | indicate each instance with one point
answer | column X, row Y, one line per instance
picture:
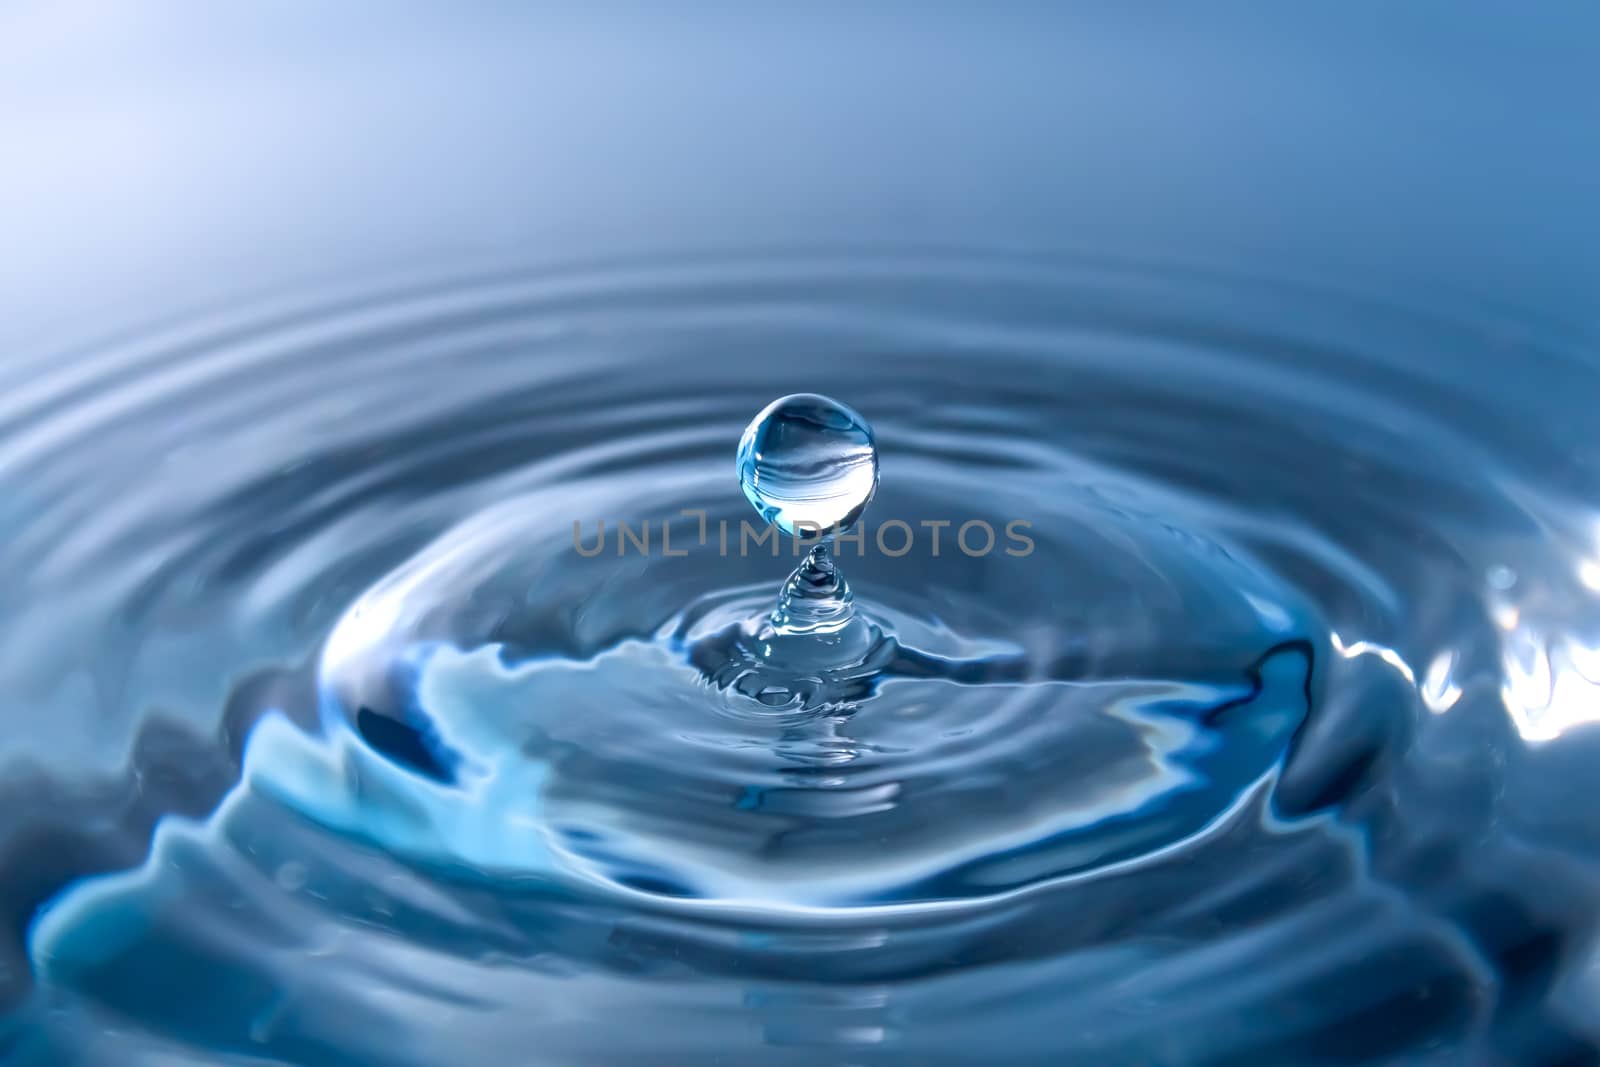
column 815, row 599
column 809, row 465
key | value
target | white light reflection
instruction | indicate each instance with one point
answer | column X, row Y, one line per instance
column 1372, row 648
column 1551, row 685
column 1589, row 574
column 1549, row 654
column 1439, row 689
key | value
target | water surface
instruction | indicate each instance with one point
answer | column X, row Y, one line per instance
column 1270, row 749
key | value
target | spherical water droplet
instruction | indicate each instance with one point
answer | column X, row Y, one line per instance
column 808, row 463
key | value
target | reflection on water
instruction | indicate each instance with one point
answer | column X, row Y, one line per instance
column 1268, row 751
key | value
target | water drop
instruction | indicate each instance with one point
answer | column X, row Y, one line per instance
column 809, row 464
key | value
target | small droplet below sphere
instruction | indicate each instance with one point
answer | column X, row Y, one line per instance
column 809, row 464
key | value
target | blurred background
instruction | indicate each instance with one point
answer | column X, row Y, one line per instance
column 163, row 155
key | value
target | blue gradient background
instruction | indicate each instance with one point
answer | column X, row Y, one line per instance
column 162, row 156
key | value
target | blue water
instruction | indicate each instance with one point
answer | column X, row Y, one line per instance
column 392, row 673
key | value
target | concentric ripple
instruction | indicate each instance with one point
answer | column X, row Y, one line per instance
column 387, row 658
